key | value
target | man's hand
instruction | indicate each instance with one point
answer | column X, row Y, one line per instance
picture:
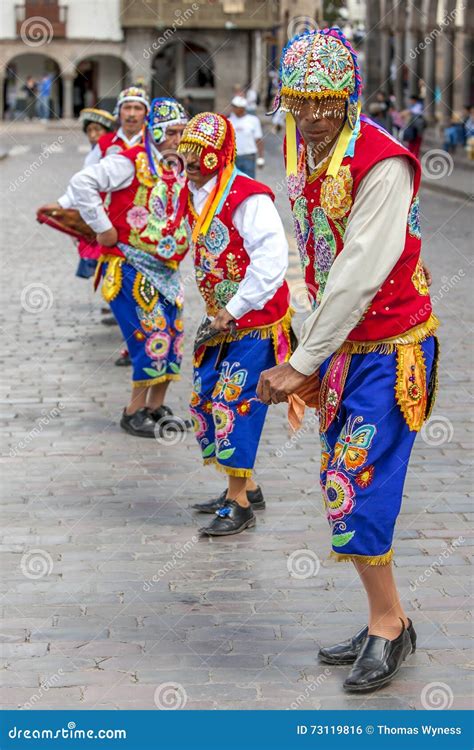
column 276, row 384
column 49, row 207
column 108, row 238
column 427, row 272
column 222, row 320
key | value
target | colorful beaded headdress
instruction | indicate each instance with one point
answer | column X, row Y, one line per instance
column 164, row 112
column 132, row 94
column 212, row 138
column 100, row 116
column 319, row 65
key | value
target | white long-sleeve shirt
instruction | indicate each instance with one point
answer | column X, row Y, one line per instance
column 258, row 223
column 113, row 172
column 373, row 242
column 95, row 155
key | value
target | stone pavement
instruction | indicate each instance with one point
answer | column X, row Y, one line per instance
column 109, row 600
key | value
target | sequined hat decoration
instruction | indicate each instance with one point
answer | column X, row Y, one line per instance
column 132, row 94
column 100, row 116
column 319, row 65
column 164, row 112
column 212, row 138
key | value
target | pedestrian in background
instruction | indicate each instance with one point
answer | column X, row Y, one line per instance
column 415, row 126
column 30, row 90
column 44, row 97
column 249, row 137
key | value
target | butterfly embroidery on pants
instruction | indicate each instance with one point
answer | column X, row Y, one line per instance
column 230, row 383
column 352, row 446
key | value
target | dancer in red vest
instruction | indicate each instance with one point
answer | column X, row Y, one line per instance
column 354, row 196
column 240, row 258
column 140, row 260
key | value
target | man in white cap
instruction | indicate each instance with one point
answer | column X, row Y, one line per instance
column 249, row 137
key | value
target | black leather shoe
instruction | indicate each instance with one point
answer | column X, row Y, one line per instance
column 255, row 498
column 378, row 662
column 139, row 424
column 124, row 359
column 347, row 651
column 168, row 421
column 109, row 321
column 232, row 518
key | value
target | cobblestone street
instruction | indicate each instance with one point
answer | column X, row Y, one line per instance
column 109, row 598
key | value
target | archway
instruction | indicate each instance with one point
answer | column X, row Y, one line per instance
column 98, row 82
column 19, row 103
column 185, row 70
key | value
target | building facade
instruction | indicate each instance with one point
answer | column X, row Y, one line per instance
column 199, row 51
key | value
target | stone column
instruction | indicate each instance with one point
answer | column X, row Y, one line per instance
column 372, row 49
column 386, row 59
column 68, row 85
column 400, row 15
column 448, row 74
column 2, row 102
column 467, row 82
column 429, row 75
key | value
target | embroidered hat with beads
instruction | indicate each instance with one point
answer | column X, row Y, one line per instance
column 319, row 65
column 212, row 138
column 132, row 94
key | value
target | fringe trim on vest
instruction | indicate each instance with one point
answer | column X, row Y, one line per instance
column 368, row 559
column 389, row 346
column 258, row 332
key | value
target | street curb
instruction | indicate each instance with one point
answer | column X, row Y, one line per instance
column 448, row 191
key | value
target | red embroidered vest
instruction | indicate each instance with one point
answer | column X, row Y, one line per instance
column 140, row 212
column 321, row 207
column 220, row 259
column 111, row 143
